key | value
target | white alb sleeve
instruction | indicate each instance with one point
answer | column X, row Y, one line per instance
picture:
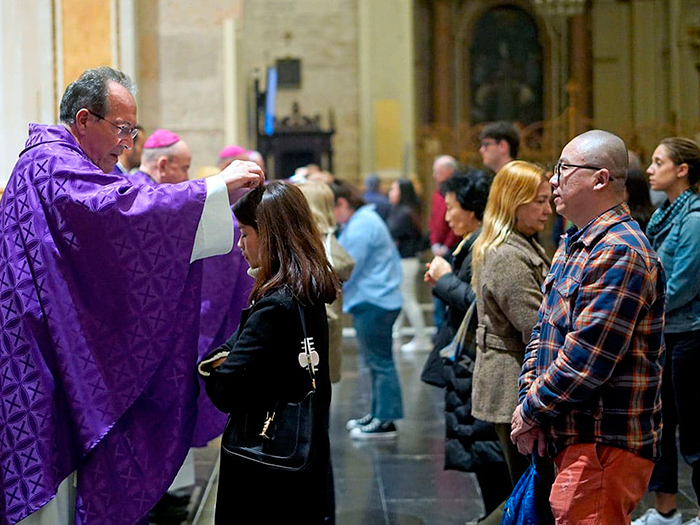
column 215, row 229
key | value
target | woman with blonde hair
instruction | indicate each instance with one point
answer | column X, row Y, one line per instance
column 508, row 268
column 320, row 198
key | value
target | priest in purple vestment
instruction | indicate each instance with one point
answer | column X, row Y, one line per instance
column 230, row 153
column 226, row 284
column 100, row 291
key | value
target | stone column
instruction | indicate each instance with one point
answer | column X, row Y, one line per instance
column 29, row 89
column 442, row 53
column 581, row 67
column 386, row 88
column 233, row 86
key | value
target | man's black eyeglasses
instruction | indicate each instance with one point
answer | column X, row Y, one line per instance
column 559, row 165
column 124, row 131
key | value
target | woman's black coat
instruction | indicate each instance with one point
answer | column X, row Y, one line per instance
column 455, row 290
column 262, row 368
column 404, row 226
column 470, row 444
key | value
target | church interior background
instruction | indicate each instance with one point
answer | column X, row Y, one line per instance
column 383, row 86
column 395, row 82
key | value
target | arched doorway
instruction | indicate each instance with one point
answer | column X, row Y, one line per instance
column 506, row 67
column 511, row 35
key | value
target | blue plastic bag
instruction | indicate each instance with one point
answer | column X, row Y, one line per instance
column 527, row 504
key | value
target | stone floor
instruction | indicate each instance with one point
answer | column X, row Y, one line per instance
column 398, row 483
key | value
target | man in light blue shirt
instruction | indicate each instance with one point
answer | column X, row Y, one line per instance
column 372, row 295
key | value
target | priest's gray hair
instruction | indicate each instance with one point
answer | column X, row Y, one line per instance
column 90, row 91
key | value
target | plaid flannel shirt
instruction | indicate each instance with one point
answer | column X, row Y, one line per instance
column 592, row 369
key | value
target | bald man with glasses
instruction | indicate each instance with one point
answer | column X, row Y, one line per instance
column 591, row 378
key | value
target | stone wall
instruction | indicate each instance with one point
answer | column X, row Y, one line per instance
column 180, row 72
column 323, row 34
column 181, row 69
column 645, row 77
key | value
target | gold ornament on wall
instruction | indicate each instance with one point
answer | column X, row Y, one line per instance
column 560, row 8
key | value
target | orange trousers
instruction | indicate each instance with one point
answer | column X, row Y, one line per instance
column 598, row 485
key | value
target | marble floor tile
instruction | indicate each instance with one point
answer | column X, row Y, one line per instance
column 400, row 482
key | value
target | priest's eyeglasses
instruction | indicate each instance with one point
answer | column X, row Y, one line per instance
column 559, row 166
column 124, row 131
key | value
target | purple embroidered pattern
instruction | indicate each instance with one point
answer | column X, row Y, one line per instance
column 139, row 178
column 99, row 308
column 225, row 290
column 226, row 287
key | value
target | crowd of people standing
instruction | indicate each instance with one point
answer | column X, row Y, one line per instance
column 119, row 296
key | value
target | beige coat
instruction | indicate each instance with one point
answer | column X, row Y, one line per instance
column 508, row 296
column 343, row 265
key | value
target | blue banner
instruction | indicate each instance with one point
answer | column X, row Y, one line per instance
column 270, row 96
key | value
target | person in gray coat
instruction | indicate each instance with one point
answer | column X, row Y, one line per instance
column 471, row 445
column 509, row 266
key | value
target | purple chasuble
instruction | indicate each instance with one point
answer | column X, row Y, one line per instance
column 139, row 178
column 99, row 308
column 226, row 288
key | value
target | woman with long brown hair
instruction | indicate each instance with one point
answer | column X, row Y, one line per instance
column 405, row 227
column 260, row 366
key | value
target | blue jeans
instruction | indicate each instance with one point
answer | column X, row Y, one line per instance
column 373, row 326
column 439, row 311
column 680, row 399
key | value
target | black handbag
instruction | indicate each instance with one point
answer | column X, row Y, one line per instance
column 283, row 438
column 460, row 350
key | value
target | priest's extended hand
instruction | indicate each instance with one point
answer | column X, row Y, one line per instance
column 242, row 174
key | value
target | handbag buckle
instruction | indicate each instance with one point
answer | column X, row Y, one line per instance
column 266, row 425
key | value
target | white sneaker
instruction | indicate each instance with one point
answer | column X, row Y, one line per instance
column 376, row 429
column 652, row 517
column 694, row 521
column 417, row 345
column 359, row 422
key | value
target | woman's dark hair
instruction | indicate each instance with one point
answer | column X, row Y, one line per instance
column 684, row 151
column 349, row 193
column 289, row 243
column 638, row 198
column 407, row 194
column 471, row 189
